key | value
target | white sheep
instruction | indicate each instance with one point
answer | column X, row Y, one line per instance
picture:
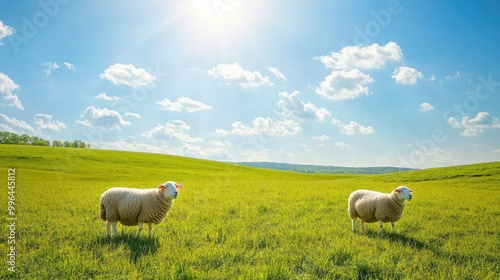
column 371, row 206
column 133, row 207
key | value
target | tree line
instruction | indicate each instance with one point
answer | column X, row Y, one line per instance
column 25, row 139
column 308, row 168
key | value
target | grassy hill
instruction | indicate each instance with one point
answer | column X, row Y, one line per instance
column 238, row 222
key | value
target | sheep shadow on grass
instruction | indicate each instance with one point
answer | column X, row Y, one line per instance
column 399, row 239
column 138, row 246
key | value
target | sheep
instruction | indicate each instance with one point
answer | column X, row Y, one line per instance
column 132, row 207
column 371, row 206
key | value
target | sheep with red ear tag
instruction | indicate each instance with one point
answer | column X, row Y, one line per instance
column 371, row 206
column 135, row 207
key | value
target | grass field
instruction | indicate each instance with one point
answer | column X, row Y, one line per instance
column 236, row 222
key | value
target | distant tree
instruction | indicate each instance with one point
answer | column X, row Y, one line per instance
column 78, row 144
column 11, row 138
column 4, row 135
column 325, row 169
column 25, row 139
column 57, row 143
column 81, row 144
column 37, row 141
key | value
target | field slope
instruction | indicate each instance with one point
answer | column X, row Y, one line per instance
column 238, row 222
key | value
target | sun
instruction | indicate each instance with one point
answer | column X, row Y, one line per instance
column 219, row 17
column 212, row 26
column 215, row 10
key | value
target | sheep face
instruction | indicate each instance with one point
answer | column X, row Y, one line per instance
column 170, row 189
column 404, row 193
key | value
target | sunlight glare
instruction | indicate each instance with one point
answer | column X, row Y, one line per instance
column 218, row 18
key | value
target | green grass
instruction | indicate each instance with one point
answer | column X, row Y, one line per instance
column 237, row 222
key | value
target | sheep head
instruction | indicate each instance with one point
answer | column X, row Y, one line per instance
column 403, row 193
column 170, row 189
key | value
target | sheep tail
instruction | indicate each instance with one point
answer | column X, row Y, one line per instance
column 103, row 212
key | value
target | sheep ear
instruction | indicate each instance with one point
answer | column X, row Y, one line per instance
column 177, row 186
column 410, row 190
column 397, row 190
column 161, row 187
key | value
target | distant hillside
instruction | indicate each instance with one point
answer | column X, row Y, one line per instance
column 307, row 168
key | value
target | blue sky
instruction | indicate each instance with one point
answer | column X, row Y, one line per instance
column 350, row 83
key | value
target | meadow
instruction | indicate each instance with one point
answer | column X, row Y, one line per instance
column 237, row 222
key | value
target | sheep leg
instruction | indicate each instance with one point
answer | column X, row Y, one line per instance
column 353, row 224
column 381, row 224
column 108, row 230
column 150, row 227
column 139, row 229
column 393, row 224
column 115, row 231
column 363, row 225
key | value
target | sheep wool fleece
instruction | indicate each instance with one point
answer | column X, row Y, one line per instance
column 131, row 206
column 371, row 206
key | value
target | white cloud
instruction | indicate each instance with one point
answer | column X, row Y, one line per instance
column 341, row 145
column 454, row 77
column 44, row 121
column 69, row 66
column 426, row 107
column 217, row 143
column 346, row 80
column 497, row 151
column 234, row 74
column 106, row 97
column 176, row 130
column 130, row 144
column 321, row 138
column 292, row 106
column 128, row 75
column 6, row 88
column 255, row 155
column 5, row 31
column 277, row 73
column 262, row 125
column 434, row 157
column 454, row 123
column 16, row 126
column 132, row 115
column 48, row 67
column 406, row 75
column 353, row 128
column 286, row 153
column 182, row 104
column 345, row 84
column 357, row 57
column 189, row 149
column 475, row 126
column 102, row 118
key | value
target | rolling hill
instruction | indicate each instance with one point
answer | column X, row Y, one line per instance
column 310, row 168
column 238, row 222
